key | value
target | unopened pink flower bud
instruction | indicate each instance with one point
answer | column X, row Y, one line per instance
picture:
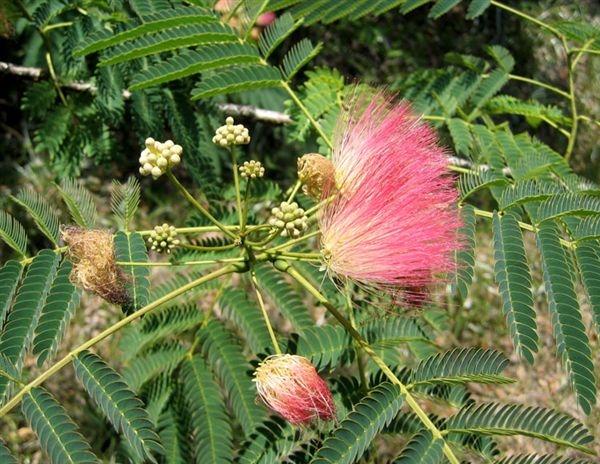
column 265, row 19
column 290, row 385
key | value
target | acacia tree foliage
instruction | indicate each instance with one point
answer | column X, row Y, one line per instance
column 186, row 392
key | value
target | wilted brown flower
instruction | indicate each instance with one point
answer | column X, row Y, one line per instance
column 94, row 265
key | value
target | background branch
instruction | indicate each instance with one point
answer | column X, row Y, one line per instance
column 232, row 109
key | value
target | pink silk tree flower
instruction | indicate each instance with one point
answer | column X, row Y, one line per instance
column 291, row 386
column 265, row 19
column 392, row 222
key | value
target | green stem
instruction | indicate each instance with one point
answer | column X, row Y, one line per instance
column 245, row 208
column 47, row 55
column 432, row 117
column 236, row 182
column 564, row 132
column 309, row 116
column 251, row 229
column 589, row 120
column 575, row 118
column 109, row 331
column 580, row 52
column 539, row 84
column 53, row 75
column 3, row 373
column 571, row 65
column 190, row 230
column 198, row 206
column 57, row 26
column 300, row 255
column 412, row 403
column 187, row 246
column 207, row 316
column 261, row 303
column 290, row 243
column 522, row 225
column 183, row 263
column 58, row 250
column 203, row 229
column 460, row 169
column 233, row 11
column 527, row 17
column 319, row 205
column 269, row 238
column 584, row 50
column 276, row 256
column 252, row 21
column 294, row 191
column 359, row 361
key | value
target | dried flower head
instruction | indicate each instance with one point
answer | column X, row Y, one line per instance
column 94, row 266
column 290, row 218
column 252, row 169
column 316, row 173
column 231, row 134
column 291, row 386
column 163, row 238
column 392, row 222
column 157, row 157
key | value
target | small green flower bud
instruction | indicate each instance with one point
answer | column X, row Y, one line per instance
column 231, row 135
column 289, row 217
column 162, row 238
column 252, row 169
column 158, row 157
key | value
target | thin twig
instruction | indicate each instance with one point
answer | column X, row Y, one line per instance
column 366, row 347
column 293, row 242
column 15, row 400
column 198, row 206
column 261, row 304
column 522, row 225
column 181, row 263
column 523, row 15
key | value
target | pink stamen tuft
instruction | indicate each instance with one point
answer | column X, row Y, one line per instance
column 393, row 222
column 291, row 386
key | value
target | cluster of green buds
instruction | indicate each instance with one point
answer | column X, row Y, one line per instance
column 163, row 238
column 252, row 169
column 290, row 218
column 231, row 134
column 157, row 157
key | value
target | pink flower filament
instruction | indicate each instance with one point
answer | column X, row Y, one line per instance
column 393, row 222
